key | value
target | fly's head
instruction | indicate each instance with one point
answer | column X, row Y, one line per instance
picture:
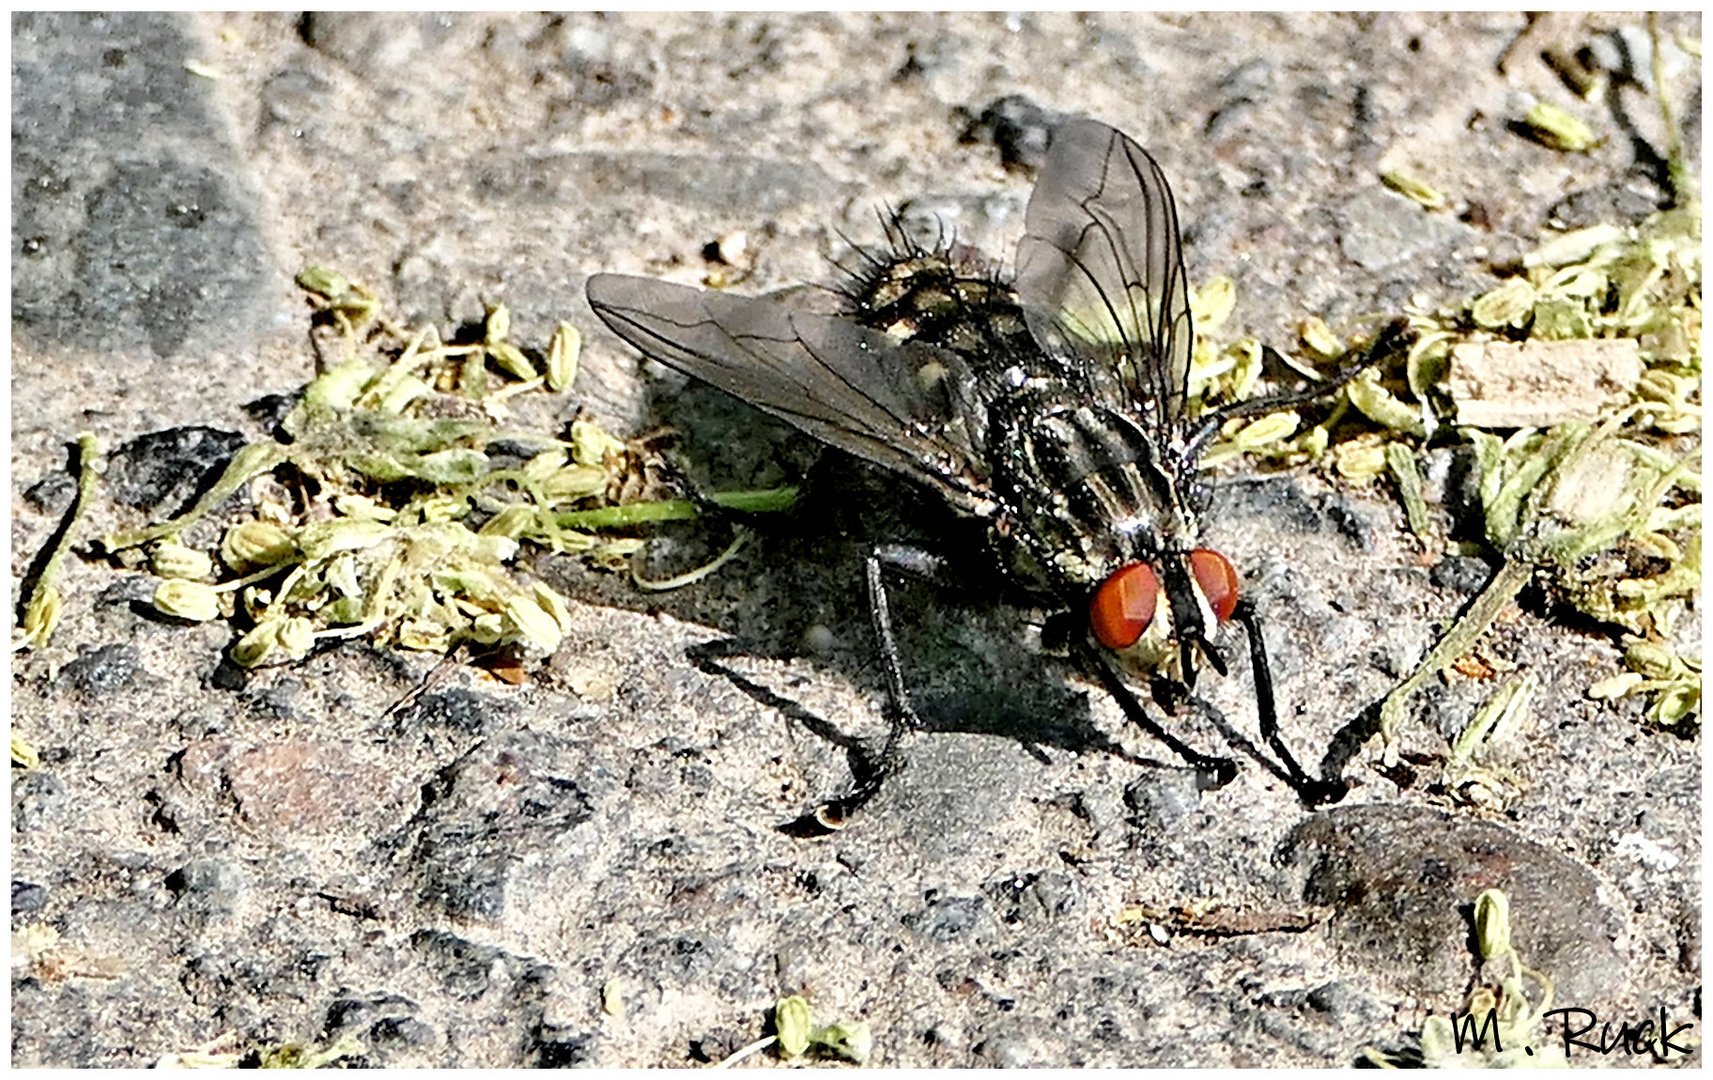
column 1157, row 615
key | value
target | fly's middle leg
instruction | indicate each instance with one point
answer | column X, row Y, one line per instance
column 873, row 771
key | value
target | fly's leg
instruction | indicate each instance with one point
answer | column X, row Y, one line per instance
column 1312, row 792
column 872, row 772
column 1392, row 337
column 1222, row 769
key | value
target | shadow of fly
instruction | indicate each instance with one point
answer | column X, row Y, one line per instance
column 1053, row 407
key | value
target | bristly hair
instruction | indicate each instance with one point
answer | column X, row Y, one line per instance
column 945, row 293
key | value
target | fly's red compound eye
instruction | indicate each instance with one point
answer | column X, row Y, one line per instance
column 1218, row 581
column 1123, row 606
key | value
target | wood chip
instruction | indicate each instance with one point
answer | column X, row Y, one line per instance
column 1499, row 384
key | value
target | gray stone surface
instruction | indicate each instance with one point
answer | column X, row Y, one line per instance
column 277, row 858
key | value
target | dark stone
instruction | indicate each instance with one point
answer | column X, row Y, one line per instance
column 142, row 236
column 270, row 410
column 53, row 494
column 1604, row 205
column 208, row 886
column 1461, row 573
column 459, row 710
column 1023, row 897
column 28, row 898
column 483, row 813
column 464, row 966
column 400, row 1033
column 948, row 918
column 556, row 1050
column 352, row 1012
column 103, row 670
column 177, row 463
column 1401, row 881
column 1020, row 129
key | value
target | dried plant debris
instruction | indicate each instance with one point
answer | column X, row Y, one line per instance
column 1501, row 1023
column 42, row 608
column 796, row 1036
column 1503, row 384
column 398, row 501
column 1575, row 386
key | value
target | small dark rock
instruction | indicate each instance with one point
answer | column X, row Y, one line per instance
column 1048, row 895
column 1600, row 206
column 715, row 1045
column 554, row 1050
column 177, row 463
column 104, row 670
column 28, row 898
column 1020, row 129
column 35, row 798
column 463, row 711
column 271, row 410
column 1461, row 573
column 948, row 918
column 52, row 495
column 399, row 1033
column 1402, row 880
column 208, row 886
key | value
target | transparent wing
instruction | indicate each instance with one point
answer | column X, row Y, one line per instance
column 1100, row 272
column 907, row 407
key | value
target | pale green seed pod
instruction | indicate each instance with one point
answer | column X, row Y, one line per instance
column 574, row 482
column 554, row 605
column 1493, row 924
column 1418, row 191
column 252, row 544
column 192, row 601
column 1552, row 126
column 260, row 643
column 536, row 626
column 296, row 636
column 850, row 1039
column 592, row 446
column 511, row 360
column 562, row 354
column 171, row 559
column 1319, row 339
column 326, row 538
column 498, row 326
column 1508, row 305
column 1272, row 428
column 791, row 1022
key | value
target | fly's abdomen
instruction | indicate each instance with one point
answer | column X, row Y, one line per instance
column 1087, row 490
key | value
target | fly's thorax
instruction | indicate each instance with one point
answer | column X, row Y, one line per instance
column 1086, row 487
column 944, row 297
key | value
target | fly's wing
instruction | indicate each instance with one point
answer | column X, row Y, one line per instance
column 908, row 407
column 1100, row 273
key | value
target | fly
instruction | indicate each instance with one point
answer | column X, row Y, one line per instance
column 1052, row 407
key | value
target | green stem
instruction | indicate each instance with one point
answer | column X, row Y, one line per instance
column 1459, row 639
column 38, row 621
column 768, row 500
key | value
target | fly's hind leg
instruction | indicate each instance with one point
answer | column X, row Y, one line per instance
column 872, row 771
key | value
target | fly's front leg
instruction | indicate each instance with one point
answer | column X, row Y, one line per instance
column 901, row 718
column 1312, row 792
column 1222, row 770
